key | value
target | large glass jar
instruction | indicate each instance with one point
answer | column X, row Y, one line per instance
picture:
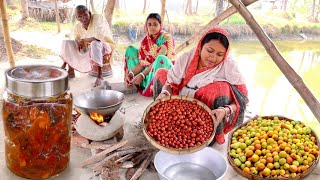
column 36, row 113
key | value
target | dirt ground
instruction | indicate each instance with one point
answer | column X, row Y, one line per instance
column 134, row 104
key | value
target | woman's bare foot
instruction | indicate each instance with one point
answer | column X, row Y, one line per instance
column 64, row 65
column 71, row 73
column 98, row 82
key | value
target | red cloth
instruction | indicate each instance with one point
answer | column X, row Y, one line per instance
column 149, row 50
column 209, row 93
column 192, row 69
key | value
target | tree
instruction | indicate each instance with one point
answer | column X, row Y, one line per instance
column 56, row 10
column 11, row 4
column 117, row 4
column 163, row 10
column 294, row 5
column 144, row 6
column 92, row 7
column 313, row 8
column 317, row 14
column 284, row 5
column 24, row 9
column 196, row 9
column 219, row 7
column 188, row 7
column 108, row 11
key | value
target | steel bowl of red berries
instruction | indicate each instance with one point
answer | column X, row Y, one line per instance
column 178, row 124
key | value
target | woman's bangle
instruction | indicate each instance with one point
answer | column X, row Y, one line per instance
column 164, row 91
column 142, row 75
column 225, row 111
column 168, row 84
column 230, row 108
column 131, row 73
column 226, row 114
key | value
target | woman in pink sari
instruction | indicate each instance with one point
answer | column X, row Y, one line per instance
column 207, row 73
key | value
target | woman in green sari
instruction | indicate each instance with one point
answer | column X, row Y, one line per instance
column 156, row 51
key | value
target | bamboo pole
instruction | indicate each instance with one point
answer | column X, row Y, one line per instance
column 228, row 12
column 285, row 68
column 56, row 10
column 6, row 33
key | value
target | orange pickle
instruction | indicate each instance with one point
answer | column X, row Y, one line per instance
column 37, row 133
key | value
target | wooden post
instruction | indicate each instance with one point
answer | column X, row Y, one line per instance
column 6, row 33
column 56, row 10
column 285, row 68
column 163, row 10
column 228, row 12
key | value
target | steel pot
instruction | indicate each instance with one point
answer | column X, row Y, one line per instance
column 103, row 102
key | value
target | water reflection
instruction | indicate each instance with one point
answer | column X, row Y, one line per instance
column 270, row 93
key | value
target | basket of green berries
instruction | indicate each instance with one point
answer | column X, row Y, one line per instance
column 271, row 147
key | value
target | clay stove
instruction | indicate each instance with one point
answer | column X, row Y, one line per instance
column 100, row 117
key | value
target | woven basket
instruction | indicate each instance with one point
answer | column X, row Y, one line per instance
column 258, row 177
column 173, row 150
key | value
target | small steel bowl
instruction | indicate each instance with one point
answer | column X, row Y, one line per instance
column 103, row 102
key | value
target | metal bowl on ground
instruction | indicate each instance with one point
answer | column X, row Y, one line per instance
column 206, row 164
column 103, row 102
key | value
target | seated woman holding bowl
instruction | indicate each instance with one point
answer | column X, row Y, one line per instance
column 208, row 74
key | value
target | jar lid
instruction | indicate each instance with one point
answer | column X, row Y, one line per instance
column 36, row 81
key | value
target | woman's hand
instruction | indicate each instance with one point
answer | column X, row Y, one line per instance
column 129, row 79
column 219, row 114
column 161, row 95
column 137, row 79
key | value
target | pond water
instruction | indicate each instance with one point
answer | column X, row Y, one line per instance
column 270, row 93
